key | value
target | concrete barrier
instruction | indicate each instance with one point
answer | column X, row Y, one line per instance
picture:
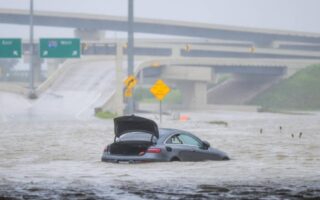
column 109, row 104
column 154, row 108
column 13, row 88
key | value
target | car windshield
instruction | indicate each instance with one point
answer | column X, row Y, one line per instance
column 135, row 136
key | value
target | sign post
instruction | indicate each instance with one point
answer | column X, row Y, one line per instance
column 160, row 111
column 160, row 91
column 32, row 93
column 10, row 48
column 60, row 48
column 130, row 49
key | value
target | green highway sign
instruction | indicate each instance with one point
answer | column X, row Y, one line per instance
column 60, row 48
column 10, row 48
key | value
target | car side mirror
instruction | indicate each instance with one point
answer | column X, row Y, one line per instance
column 205, row 145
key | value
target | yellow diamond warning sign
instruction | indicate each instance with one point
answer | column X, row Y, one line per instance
column 160, row 90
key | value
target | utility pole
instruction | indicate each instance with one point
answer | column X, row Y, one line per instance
column 119, row 74
column 32, row 94
column 130, row 52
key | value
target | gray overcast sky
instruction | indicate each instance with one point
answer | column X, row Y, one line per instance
column 297, row 15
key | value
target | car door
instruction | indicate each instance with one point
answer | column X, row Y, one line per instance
column 184, row 152
column 194, row 150
column 176, row 147
column 192, row 146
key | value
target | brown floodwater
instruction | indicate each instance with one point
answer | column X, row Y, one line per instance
column 60, row 159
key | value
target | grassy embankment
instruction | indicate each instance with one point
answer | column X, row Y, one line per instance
column 299, row 92
column 105, row 115
column 144, row 95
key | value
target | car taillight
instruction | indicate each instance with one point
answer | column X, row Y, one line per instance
column 153, row 150
column 106, row 149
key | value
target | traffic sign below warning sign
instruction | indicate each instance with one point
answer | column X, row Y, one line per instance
column 128, row 92
column 160, row 90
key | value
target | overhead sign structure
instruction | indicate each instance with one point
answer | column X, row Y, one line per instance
column 60, row 48
column 160, row 90
column 10, row 48
column 130, row 82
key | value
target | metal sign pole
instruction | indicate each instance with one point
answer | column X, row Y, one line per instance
column 160, row 111
column 130, row 49
column 32, row 94
column 160, row 90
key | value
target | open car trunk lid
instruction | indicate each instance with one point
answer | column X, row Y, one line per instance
column 133, row 123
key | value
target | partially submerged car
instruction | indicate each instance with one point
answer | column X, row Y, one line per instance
column 138, row 139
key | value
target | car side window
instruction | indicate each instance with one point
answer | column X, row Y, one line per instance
column 174, row 140
column 186, row 139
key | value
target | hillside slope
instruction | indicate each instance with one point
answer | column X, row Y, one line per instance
column 299, row 92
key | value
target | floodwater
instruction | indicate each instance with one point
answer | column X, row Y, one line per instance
column 61, row 160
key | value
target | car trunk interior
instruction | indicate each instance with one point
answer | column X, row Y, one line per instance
column 129, row 149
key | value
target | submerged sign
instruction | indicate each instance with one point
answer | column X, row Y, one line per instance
column 10, row 48
column 60, row 48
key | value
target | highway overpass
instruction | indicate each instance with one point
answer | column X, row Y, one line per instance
column 86, row 22
column 164, row 48
column 193, row 76
column 209, row 49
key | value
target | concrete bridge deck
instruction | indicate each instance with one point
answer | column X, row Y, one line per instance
column 261, row 37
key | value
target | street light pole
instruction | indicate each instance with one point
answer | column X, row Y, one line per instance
column 130, row 52
column 32, row 94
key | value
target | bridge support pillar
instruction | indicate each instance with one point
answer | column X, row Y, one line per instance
column 192, row 81
column 194, row 94
column 292, row 69
column 176, row 52
column 199, row 96
column 89, row 34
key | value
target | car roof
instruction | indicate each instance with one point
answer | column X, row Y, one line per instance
column 168, row 131
column 165, row 131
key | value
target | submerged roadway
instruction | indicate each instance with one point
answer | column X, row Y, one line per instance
column 73, row 96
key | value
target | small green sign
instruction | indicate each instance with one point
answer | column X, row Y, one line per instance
column 60, row 48
column 10, row 48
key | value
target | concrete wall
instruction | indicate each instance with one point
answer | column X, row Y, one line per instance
column 13, row 88
column 187, row 73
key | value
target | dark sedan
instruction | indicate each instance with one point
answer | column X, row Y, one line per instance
column 138, row 139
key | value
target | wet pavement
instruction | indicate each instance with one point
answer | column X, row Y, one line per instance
column 74, row 95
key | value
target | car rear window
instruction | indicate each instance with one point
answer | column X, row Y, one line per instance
column 136, row 136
